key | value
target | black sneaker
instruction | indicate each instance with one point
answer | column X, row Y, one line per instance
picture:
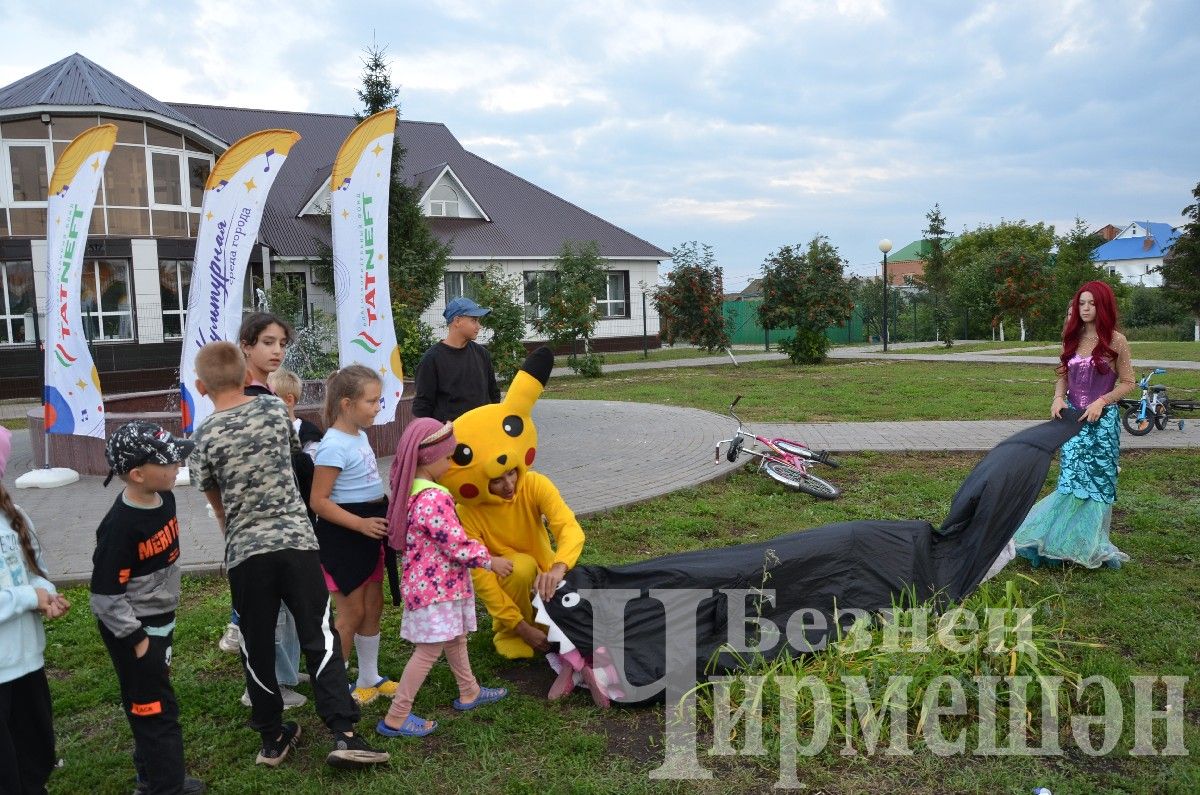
column 275, row 751
column 353, row 752
column 191, row 786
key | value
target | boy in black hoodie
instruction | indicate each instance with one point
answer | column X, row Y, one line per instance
column 135, row 592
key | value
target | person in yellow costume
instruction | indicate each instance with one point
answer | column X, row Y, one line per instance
column 506, row 505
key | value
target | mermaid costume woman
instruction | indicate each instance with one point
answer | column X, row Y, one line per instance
column 1072, row 522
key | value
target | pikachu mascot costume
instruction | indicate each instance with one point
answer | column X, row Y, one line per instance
column 493, row 440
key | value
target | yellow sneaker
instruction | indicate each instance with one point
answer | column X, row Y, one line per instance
column 364, row 695
column 387, row 688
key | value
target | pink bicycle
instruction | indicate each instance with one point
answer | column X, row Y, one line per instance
column 783, row 460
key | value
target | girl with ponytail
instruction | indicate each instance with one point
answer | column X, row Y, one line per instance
column 26, row 597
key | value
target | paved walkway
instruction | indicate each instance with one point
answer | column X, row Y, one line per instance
column 601, row 454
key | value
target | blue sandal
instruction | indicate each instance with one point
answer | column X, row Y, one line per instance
column 414, row 726
column 487, row 695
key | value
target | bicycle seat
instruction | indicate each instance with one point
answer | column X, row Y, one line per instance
column 1158, row 388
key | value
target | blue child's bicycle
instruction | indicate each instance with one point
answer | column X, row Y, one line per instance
column 1154, row 409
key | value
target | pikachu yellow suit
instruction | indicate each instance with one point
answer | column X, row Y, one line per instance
column 492, row 440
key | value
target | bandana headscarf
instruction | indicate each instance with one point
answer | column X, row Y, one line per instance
column 424, row 441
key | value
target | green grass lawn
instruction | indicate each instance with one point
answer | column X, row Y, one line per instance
column 976, row 347
column 1145, row 615
column 1171, row 351
column 663, row 354
column 866, row 390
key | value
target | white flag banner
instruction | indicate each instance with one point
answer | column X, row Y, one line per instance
column 362, row 174
column 229, row 217
column 72, row 401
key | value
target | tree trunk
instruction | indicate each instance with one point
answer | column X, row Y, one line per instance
column 1196, row 330
column 1002, row 331
column 1022, row 329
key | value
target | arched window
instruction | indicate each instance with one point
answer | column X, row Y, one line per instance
column 444, row 201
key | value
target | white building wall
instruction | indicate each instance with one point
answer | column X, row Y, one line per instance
column 1136, row 271
column 643, row 276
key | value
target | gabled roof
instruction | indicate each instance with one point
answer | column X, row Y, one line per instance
column 1142, row 246
column 77, row 81
column 526, row 221
column 918, row 250
column 752, row 290
column 431, row 177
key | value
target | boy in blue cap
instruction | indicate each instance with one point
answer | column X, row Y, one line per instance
column 456, row 374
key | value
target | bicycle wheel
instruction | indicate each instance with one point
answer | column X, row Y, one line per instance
column 797, row 449
column 1136, row 426
column 801, row 481
column 1161, row 416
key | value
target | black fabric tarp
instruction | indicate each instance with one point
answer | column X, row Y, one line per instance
column 865, row 565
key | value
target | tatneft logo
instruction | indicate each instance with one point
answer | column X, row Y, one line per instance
column 367, row 234
column 66, row 260
column 806, row 710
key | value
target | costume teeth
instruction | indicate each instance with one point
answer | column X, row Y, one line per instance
column 553, row 633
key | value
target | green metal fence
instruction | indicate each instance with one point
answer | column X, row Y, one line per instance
column 746, row 330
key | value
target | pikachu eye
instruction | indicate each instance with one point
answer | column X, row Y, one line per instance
column 570, row 599
column 513, row 425
column 463, row 455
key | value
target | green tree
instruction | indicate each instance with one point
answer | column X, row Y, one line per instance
column 1151, row 306
column 413, row 335
column 937, row 274
column 416, row 258
column 867, row 295
column 1022, row 285
column 805, row 289
column 1181, row 267
column 566, row 300
column 506, row 321
column 690, row 304
column 980, row 263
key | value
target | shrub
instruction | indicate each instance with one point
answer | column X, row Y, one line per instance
column 807, row 347
column 1162, row 332
column 506, row 321
column 413, row 335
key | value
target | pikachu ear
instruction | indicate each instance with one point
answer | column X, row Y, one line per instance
column 527, row 386
column 539, row 364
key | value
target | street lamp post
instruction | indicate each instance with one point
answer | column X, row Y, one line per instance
column 885, row 246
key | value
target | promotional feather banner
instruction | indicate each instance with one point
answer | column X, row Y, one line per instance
column 234, row 197
column 72, row 402
column 359, row 183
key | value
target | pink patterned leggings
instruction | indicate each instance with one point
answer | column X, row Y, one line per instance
column 423, row 658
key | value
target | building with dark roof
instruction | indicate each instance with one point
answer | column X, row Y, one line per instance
column 141, row 242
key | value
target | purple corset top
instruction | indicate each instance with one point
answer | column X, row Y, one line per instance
column 1085, row 382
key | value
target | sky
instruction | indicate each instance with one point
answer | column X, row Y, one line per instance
column 745, row 126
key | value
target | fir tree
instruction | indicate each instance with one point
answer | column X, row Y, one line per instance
column 416, row 258
column 937, row 274
column 1181, row 267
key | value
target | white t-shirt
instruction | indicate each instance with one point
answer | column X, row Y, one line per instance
column 359, row 479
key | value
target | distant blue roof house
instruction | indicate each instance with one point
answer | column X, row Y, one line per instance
column 1137, row 252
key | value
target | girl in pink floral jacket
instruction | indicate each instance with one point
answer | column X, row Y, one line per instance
column 439, row 602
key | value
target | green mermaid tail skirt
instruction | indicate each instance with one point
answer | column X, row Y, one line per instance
column 1072, row 522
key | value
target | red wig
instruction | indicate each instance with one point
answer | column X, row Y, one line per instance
column 1106, row 322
